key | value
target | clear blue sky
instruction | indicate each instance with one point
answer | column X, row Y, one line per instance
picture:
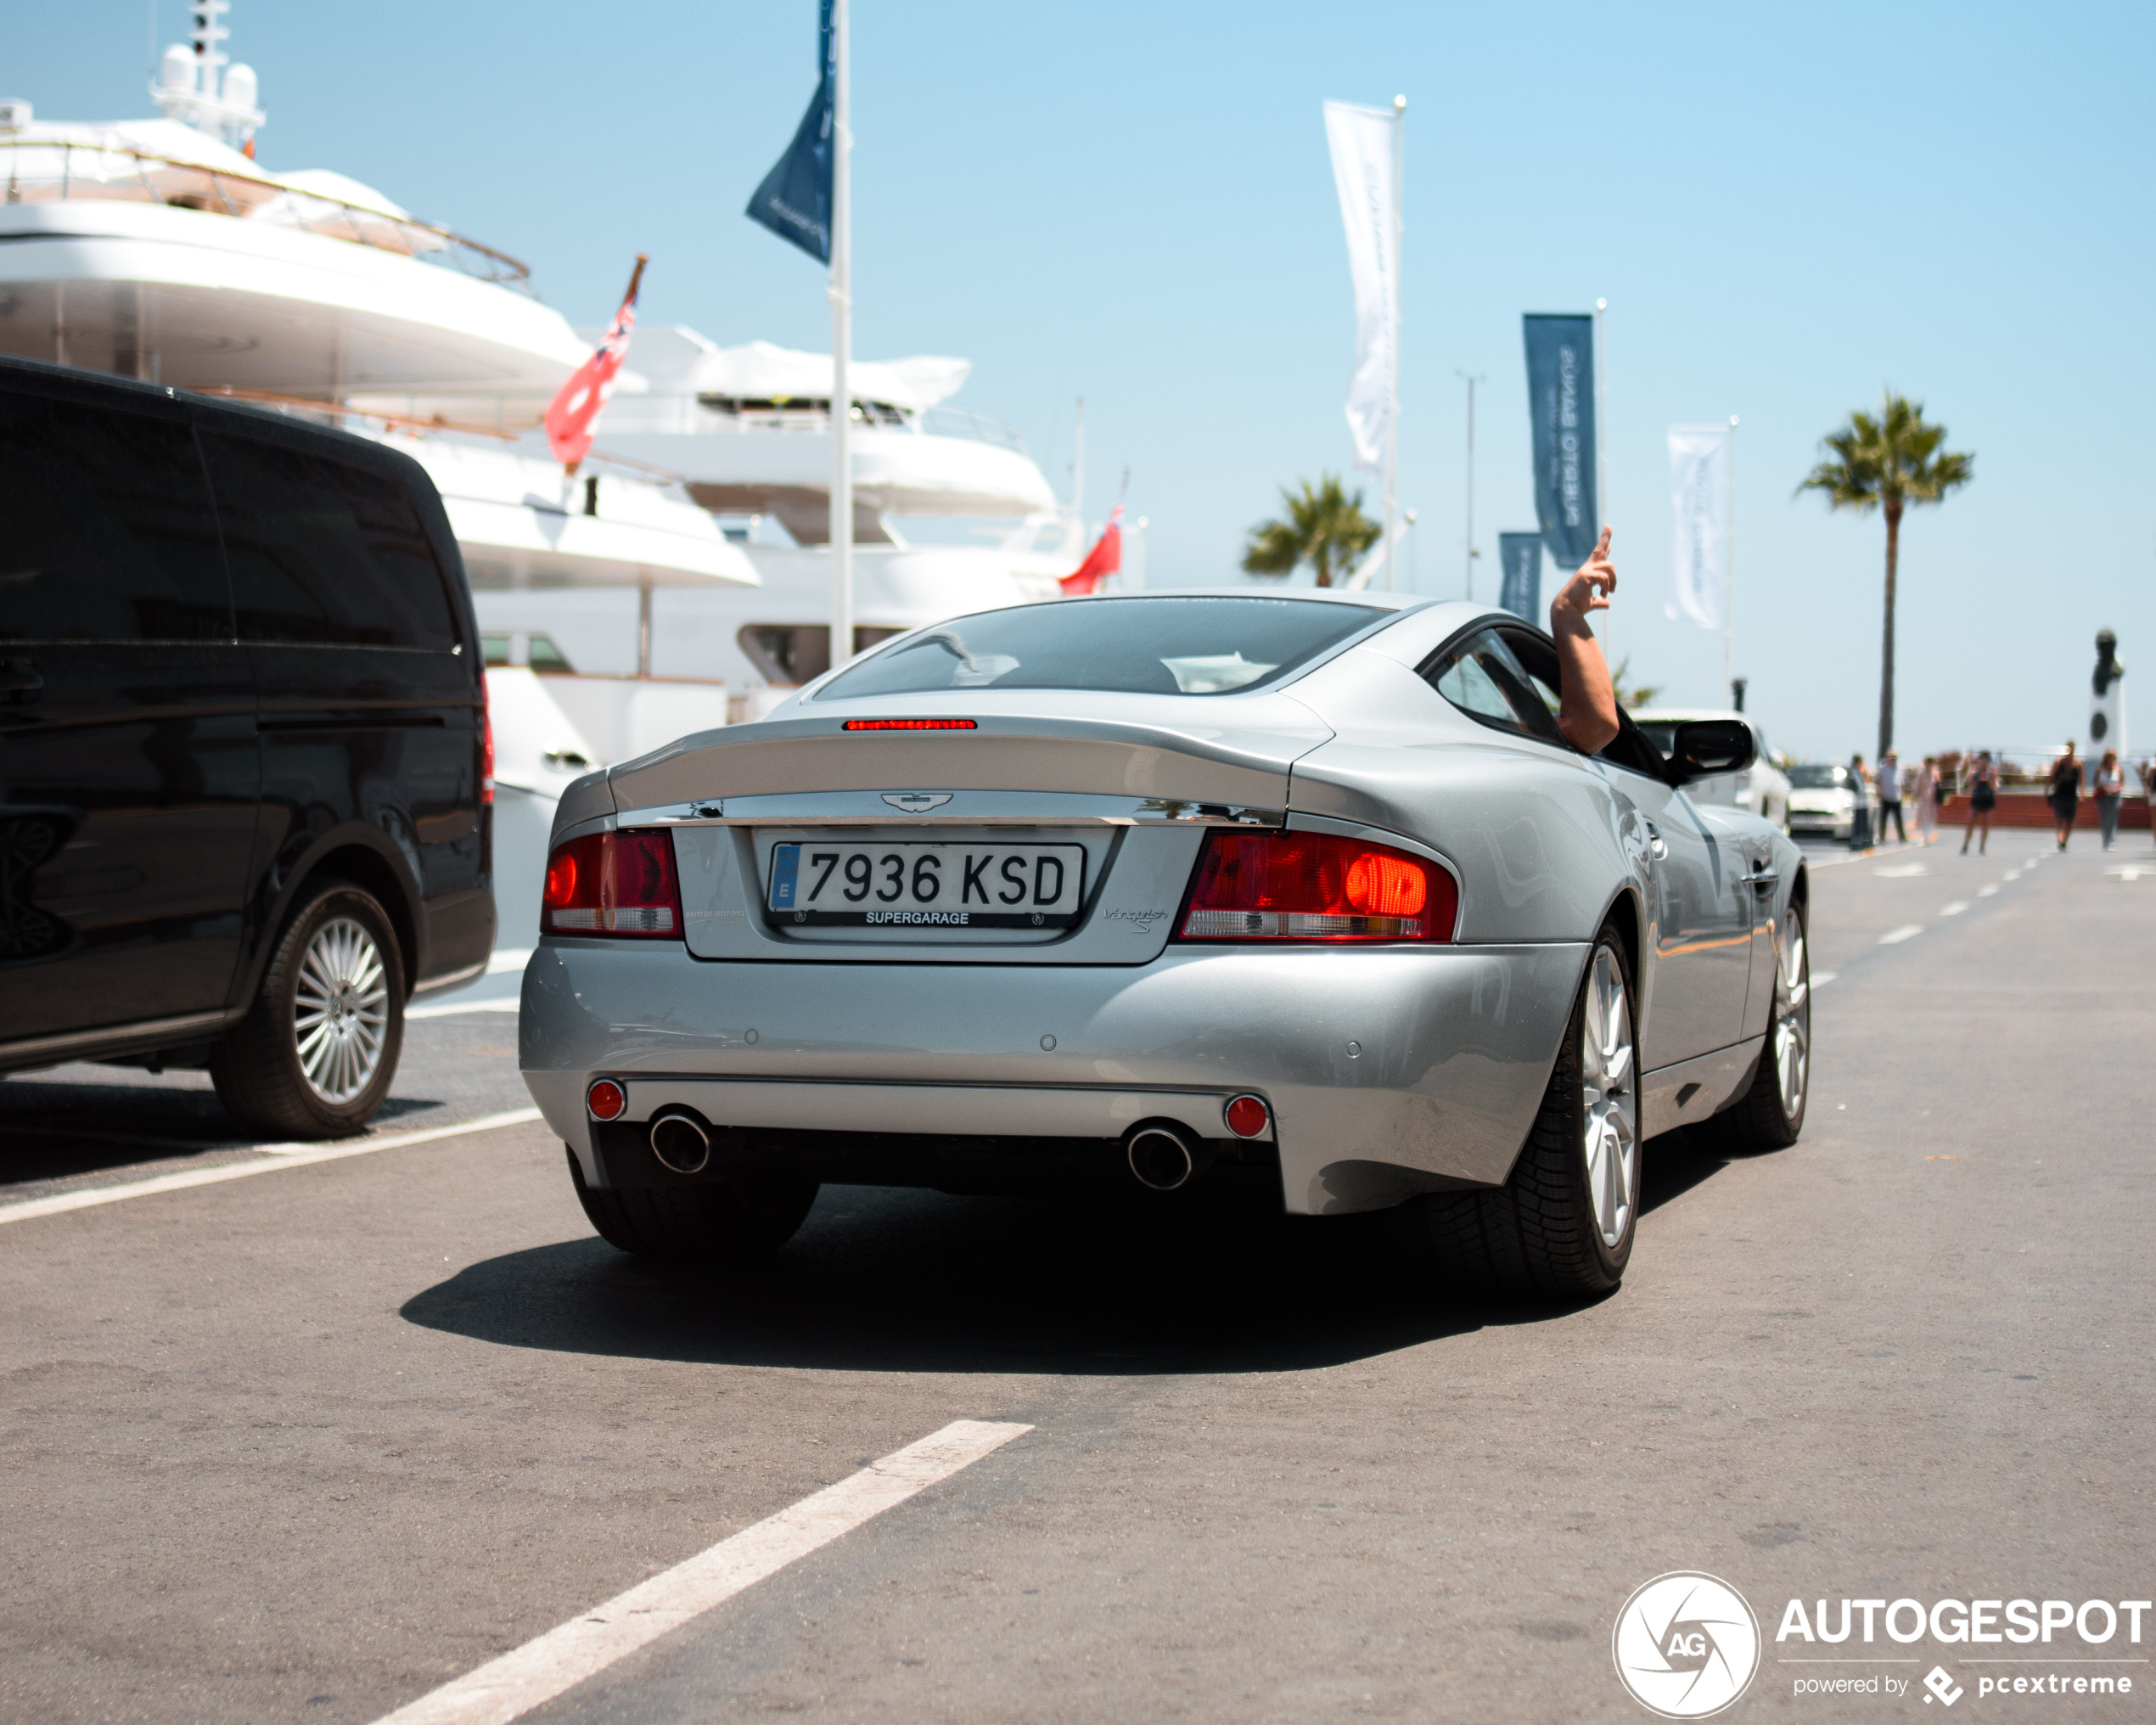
column 1786, row 209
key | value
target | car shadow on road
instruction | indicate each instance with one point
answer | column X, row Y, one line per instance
column 881, row 1279
column 58, row 1130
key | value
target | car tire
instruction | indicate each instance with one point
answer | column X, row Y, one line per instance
column 317, row 1051
column 1769, row 1115
column 1562, row 1226
column 725, row 1223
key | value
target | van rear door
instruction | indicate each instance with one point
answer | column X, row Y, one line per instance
column 128, row 768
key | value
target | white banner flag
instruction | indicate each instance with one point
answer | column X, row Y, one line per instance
column 1699, row 510
column 1361, row 139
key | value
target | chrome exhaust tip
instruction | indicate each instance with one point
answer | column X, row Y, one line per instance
column 1160, row 1157
column 681, row 1143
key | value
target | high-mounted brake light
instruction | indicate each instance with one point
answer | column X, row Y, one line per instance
column 911, row 725
column 612, row 884
column 1314, row 886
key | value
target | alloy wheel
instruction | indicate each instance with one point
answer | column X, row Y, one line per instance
column 1793, row 1016
column 340, row 1010
column 1610, row 1110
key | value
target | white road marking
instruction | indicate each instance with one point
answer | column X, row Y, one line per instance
column 447, row 1008
column 1907, row 932
column 1901, row 871
column 1986, row 892
column 534, row 1674
column 282, row 1155
column 1954, row 909
column 1823, row 978
column 507, row 958
column 2128, row 873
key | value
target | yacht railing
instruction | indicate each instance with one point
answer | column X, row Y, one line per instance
column 876, row 416
column 39, row 170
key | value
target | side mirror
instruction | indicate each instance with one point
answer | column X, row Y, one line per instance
column 1705, row 747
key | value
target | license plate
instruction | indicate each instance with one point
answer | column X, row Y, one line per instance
column 851, row 884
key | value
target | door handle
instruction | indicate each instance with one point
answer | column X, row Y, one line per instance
column 20, row 677
column 1655, row 848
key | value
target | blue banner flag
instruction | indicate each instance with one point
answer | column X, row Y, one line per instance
column 794, row 200
column 1520, row 556
column 1561, row 410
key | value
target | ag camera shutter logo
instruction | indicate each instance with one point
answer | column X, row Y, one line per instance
column 1686, row 1645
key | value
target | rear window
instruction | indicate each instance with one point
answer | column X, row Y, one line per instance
column 1125, row 646
column 324, row 554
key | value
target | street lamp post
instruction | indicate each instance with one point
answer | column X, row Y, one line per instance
column 1471, row 380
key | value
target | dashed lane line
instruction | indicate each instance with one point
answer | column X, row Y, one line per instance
column 534, row 1674
column 275, row 1156
column 450, row 1009
column 1907, row 932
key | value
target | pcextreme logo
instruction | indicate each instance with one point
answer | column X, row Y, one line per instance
column 1686, row 1645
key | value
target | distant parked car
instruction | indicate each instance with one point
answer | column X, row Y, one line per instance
column 1761, row 789
column 1822, row 799
column 244, row 754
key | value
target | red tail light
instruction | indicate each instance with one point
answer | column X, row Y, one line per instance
column 1313, row 886
column 612, row 884
column 910, row 725
column 486, row 745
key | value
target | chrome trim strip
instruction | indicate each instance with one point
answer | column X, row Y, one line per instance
column 973, row 808
column 147, row 1029
column 450, row 979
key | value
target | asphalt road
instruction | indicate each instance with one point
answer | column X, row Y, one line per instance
column 308, row 1445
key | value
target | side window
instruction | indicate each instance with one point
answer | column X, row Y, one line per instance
column 324, row 553
column 109, row 531
column 1484, row 679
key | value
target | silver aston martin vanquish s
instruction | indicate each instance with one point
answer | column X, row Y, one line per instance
column 1182, row 891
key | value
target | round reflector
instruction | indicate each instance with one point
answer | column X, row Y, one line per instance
column 1248, row 1117
column 606, row 1099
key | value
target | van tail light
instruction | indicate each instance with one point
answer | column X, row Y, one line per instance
column 1314, row 886
column 486, row 743
column 612, row 884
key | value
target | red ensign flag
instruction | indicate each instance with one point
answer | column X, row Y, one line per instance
column 1105, row 560
column 576, row 408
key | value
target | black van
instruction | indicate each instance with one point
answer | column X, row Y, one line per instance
column 244, row 790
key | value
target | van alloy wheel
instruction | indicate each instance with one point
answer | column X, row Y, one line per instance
column 340, row 1010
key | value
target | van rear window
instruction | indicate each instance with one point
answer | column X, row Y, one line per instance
column 106, row 532
column 324, row 553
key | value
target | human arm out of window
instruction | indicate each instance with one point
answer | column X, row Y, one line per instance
column 1587, row 714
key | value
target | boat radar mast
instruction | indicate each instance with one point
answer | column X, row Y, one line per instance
column 200, row 86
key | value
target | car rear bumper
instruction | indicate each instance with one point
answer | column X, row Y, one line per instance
column 1387, row 1071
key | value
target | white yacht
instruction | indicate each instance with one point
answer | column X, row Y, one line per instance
column 951, row 512
column 163, row 249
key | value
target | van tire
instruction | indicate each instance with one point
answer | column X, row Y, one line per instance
column 715, row 1225
column 258, row 1068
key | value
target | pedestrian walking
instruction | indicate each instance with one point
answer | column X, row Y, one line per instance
column 1983, row 797
column 2066, row 792
column 1890, row 798
column 1926, row 788
column 2110, row 788
column 1860, row 808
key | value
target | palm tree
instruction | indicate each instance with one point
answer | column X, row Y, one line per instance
column 1323, row 526
column 1888, row 464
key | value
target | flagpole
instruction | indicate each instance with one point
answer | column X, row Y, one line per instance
column 841, row 349
column 1392, row 415
column 1729, row 577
